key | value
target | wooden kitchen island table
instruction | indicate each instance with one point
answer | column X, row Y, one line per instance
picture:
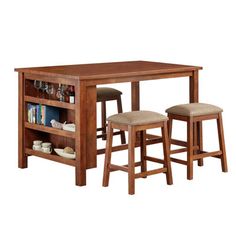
column 85, row 78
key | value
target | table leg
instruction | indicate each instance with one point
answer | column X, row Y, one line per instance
column 194, row 97
column 85, row 121
column 193, row 87
column 135, row 97
column 135, row 102
column 22, row 157
column 91, row 127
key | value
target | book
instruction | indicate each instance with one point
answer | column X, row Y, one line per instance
column 38, row 114
column 42, row 114
column 49, row 113
column 29, row 112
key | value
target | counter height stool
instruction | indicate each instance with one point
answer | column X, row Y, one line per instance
column 194, row 114
column 133, row 122
column 105, row 94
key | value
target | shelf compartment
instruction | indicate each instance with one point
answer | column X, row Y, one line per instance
column 49, row 102
column 50, row 130
column 50, row 157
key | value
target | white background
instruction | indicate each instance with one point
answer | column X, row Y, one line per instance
column 43, row 200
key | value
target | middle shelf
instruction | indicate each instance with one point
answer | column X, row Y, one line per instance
column 50, row 130
column 49, row 102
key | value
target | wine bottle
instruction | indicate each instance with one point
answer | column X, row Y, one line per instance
column 71, row 94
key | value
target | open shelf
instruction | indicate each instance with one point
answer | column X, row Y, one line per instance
column 51, row 157
column 48, row 102
column 50, row 130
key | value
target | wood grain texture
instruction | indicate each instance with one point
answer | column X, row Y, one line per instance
column 120, row 110
column 135, row 96
column 190, row 141
column 143, row 150
column 50, row 157
column 83, row 112
column 91, row 127
column 107, row 162
column 22, row 157
column 50, row 130
column 131, row 160
column 108, row 70
column 220, row 129
column 195, row 152
column 80, row 141
column 50, row 102
column 166, row 152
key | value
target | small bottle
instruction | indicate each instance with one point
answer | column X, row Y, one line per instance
column 71, row 94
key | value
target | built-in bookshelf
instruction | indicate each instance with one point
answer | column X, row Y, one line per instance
column 35, row 130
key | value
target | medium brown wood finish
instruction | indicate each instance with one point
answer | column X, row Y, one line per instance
column 108, row 70
column 131, row 159
column 166, row 151
column 199, row 141
column 106, row 172
column 50, row 157
column 135, row 99
column 222, row 143
column 22, row 157
column 104, row 116
column 80, row 141
column 190, row 143
column 91, row 126
column 143, row 151
column 195, row 152
column 103, row 119
column 120, row 110
column 85, row 78
column 130, row 168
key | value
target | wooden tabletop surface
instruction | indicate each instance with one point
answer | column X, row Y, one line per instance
column 109, row 70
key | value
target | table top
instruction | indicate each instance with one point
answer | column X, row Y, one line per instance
column 109, row 70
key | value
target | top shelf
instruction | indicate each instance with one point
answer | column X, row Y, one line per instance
column 50, row 102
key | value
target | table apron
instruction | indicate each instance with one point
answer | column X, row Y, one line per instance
column 137, row 78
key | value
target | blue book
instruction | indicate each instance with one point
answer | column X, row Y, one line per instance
column 50, row 114
column 38, row 114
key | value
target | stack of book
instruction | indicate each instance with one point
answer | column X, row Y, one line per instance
column 41, row 114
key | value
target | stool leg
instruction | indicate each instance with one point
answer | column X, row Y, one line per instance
column 166, row 151
column 120, row 110
column 169, row 125
column 103, row 118
column 143, row 151
column 199, row 141
column 131, row 166
column 106, row 172
column 190, row 148
column 222, row 143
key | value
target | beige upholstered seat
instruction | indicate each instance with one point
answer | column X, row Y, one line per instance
column 194, row 109
column 137, row 118
column 105, row 93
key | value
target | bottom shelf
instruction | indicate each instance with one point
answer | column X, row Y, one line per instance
column 51, row 157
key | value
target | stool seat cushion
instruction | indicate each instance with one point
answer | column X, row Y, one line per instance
column 137, row 118
column 106, row 93
column 194, row 109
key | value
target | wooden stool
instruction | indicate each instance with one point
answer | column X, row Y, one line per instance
column 108, row 94
column 133, row 122
column 194, row 114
